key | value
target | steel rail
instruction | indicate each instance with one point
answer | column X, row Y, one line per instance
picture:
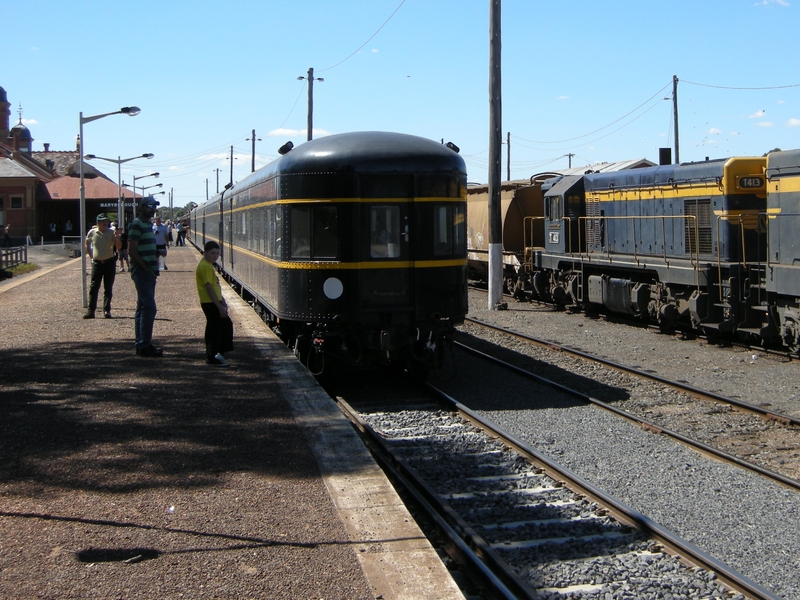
column 684, row 387
column 644, row 423
column 677, row 546
column 495, row 578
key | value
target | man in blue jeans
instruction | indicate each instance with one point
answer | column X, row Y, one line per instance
column 144, row 272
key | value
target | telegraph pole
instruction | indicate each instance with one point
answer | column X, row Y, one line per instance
column 231, row 165
column 253, row 151
column 675, row 112
column 508, row 161
column 217, row 171
column 495, row 154
column 310, row 79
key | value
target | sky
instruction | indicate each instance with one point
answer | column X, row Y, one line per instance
column 589, row 79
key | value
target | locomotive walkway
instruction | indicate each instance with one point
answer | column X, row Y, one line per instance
column 131, row 477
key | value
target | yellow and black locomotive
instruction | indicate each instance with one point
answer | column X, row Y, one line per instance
column 711, row 244
column 352, row 246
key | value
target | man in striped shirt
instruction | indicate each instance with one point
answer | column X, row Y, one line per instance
column 144, row 272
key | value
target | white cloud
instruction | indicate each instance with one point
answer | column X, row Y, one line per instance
column 793, row 123
column 298, row 135
column 764, row 124
column 768, row 2
column 30, row 122
column 757, row 114
column 282, row 132
column 174, row 168
column 563, row 98
column 714, row 131
column 374, row 50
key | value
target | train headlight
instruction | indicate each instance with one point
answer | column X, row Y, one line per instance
column 332, row 288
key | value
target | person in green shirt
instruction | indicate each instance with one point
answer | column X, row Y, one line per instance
column 144, row 272
column 219, row 327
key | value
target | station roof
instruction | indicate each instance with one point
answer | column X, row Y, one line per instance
column 12, row 169
column 96, row 188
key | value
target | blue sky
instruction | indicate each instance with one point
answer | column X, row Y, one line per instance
column 579, row 77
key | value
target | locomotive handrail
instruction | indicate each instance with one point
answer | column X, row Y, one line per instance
column 743, row 262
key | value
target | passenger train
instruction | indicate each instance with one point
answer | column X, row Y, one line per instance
column 352, row 246
column 713, row 244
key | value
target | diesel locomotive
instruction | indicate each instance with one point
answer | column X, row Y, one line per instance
column 352, row 246
column 712, row 244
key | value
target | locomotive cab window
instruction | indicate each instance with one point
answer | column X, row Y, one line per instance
column 448, row 230
column 314, row 232
column 384, row 231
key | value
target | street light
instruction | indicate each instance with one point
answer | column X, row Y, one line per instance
column 310, row 79
column 131, row 111
column 120, row 201
column 142, row 177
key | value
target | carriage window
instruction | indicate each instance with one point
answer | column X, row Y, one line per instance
column 315, row 232
column 326, row 236
column 301, row 232
column 384, row 229
column 448, row 230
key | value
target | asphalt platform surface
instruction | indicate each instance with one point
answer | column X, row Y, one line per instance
column 130, row 477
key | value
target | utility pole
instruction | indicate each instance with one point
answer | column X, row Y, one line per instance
column 252, row 139
column 569, row 156
column 218, row 170
column 231, row 165
column 675, row 112
column 508, row 161
column 495, row 152
column 206, row 189
column 310, row 79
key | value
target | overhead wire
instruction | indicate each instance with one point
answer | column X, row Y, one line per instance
column 365, row 43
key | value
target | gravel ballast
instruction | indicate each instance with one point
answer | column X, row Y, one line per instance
column 743, row 520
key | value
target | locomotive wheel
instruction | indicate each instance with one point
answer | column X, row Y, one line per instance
column 791, row 335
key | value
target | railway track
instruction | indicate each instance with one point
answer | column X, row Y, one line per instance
column 525, row 526
column 759, row 424
column 684, row 332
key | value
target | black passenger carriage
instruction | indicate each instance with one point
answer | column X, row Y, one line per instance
column 353, row 245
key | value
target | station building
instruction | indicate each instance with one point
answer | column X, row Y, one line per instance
column 40, row 191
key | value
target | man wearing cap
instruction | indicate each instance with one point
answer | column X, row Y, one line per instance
column 101, row 246
column 144, row 272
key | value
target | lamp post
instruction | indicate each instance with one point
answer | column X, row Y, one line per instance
column 310, row 79
column 120, row 201
column 131, row 111
column 141, row 177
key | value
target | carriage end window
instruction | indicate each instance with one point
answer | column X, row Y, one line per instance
column 448, row 231
column 384, row 230
column 314, row 232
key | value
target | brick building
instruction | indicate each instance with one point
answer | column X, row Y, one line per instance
column 40, row 191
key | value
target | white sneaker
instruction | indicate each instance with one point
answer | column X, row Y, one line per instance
column 218, row 361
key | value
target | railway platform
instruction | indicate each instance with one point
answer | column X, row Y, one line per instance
column 130, row 477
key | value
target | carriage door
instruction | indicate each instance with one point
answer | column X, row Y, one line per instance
column 390, row 234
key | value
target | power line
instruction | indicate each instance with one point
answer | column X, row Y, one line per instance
column 367, row 42
column 605, row 126
column 723, row 87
